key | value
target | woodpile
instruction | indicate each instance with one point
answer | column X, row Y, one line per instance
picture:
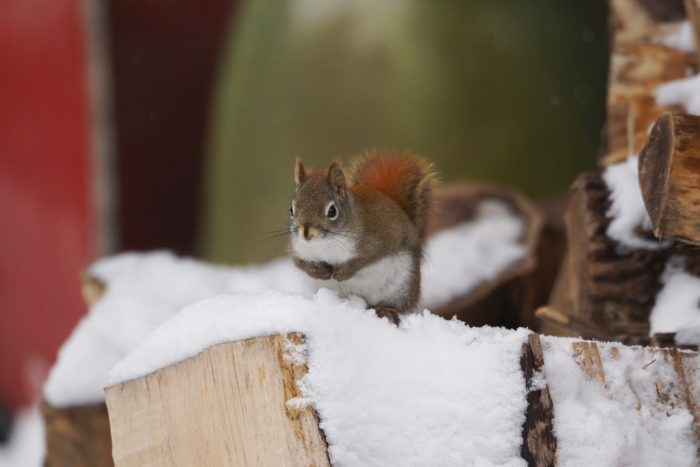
column 606, row 290
column 601, row 290
column 639, row 62
column 243, row 388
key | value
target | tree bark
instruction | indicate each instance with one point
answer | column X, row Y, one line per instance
column 539, row 443
column 77, row 436
column 600, row 283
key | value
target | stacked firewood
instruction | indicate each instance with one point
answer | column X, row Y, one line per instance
column 606, row 290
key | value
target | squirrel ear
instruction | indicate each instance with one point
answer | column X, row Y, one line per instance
column 336, row 177
column 299, row 172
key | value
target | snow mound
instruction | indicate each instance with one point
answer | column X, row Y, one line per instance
column 450, row 270
column 25, row 448
column 144, row 290
column 684, row 92
column 598, row 425
column 627, row 210
column 677, row 307
column 431, row 392
column 681, row 37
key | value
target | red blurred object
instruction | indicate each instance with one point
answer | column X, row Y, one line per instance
column 46, row 236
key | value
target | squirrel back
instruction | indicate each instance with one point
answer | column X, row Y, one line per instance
column 408, row 180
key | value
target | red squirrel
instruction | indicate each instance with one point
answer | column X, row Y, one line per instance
column 363, row 232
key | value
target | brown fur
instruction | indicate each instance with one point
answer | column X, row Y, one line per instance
column 385, row 208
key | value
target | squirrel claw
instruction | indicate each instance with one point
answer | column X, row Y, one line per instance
column 342, row 274
column 389, row 313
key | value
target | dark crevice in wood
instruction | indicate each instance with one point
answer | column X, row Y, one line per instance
column 539, row 446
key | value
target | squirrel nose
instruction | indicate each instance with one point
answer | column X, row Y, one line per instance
column 307, row 232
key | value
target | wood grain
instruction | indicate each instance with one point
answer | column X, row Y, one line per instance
column 225, row 406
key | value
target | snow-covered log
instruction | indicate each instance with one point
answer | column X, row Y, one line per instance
column 669, row 170
column 609, row 284
column 480, row 266
column 511, row 295
column 431, row 392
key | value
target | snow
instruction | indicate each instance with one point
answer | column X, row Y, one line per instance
column 677, row 307
column 144, row 290
column 627, row 210
column 680, row 37
column 384, row 394
column 25, row 448
column 600, row 425
column 494, row 244
column 684, row 92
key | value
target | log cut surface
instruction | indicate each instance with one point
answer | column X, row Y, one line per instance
column 669, row 175
column 225, row 406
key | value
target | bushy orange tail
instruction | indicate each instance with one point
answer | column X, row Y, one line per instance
column 407, row 179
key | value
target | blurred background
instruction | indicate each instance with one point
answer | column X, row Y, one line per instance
column 149, row 124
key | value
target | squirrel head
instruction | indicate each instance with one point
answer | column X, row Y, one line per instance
column 321, row 203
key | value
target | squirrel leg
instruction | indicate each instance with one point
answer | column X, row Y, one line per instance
column 389, row 313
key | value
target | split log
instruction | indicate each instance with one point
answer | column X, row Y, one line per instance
column 669, row 174
column 510, row 298
column 228, row 405
column 184, row 415
column 77, row 436
column 610, row 289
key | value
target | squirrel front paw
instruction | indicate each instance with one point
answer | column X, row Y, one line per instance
column 320, row 270
column 343, row 274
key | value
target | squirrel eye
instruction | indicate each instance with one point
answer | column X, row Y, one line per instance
column 332, row 211
column 291, row 209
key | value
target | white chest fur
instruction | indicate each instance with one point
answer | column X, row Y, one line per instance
column 331, row 250
column 384, row 282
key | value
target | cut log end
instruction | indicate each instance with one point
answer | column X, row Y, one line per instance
column 229, row 405
column 669, row 175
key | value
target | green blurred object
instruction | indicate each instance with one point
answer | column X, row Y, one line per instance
column 510, row 92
